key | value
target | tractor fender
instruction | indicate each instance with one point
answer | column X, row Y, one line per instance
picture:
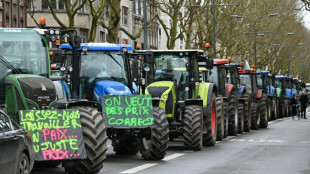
column 270, row 90
column 240, row 91
column 288, row 93
column 259, row 94
column 212, row 89
column 229, row 88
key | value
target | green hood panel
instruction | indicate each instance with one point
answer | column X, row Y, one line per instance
column 203, row 92
column 165, row 91
column 278, row 92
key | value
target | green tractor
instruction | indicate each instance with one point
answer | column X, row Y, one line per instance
column 190, row 104
column 103, row 71
column 25, row 84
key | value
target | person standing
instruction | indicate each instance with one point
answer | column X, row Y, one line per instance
column 303, row 102
column 294, row 106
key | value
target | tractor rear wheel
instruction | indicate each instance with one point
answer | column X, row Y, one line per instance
column 225, row 119
column 233, row 114
column 286, row 109
column 269, row 107
column 263, row 112
column 192, row 128
column 255, row 116
column 274, row 110
column 211, row 124
column 153, row 142
column 220, row 119
column 240, row 119
column 95, row 139
column 129, row 146
column 281, row 108
column 247, row 112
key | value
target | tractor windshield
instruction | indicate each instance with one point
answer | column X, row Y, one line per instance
column 105, row 65
column 280, row 83
column 179, row 69
column 245, row 80
column 24, row 51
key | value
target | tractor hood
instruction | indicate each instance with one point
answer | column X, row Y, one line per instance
column 106, row 87
column 270, row 90
column 288, row 93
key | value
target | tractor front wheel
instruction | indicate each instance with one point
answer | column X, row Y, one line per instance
column 211, row 124
column 233, row 114
column 255, row 116
column 153, row 142
column 220, row 118
column 247, row 113
column 263, row 112
column 95, row 139
column 192, row 128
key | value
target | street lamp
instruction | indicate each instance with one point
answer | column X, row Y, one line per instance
column 288, row 55
column 254, row 28
column 275, row 45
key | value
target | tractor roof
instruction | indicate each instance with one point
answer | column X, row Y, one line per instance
column 200, row 52
column 280, row 77
column 245, row 71
column 220, row 61
column 263, row 72
column 99, row 46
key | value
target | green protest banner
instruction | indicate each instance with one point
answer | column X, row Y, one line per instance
column 127, row 111
column 56, row 134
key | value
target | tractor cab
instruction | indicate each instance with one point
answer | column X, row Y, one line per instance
column 248, row 79
column 218, row 75
column 25, row 71
column 103, row 69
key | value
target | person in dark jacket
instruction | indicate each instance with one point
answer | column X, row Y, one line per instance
column 303, row 103
column 294, row 106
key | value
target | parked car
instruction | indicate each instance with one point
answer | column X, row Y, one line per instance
column 16, row 147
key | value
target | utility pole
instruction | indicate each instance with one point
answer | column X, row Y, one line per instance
column 145, row 26
column 213, row 20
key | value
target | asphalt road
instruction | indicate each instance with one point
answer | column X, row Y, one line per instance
column 282, row 148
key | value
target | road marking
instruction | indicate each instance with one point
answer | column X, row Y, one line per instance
column 139, row 168
column 173, row 156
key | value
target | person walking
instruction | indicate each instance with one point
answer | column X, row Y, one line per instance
column 294, row 106
column 303, row 102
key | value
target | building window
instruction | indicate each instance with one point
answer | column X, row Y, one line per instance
column 124, row 16
column 82, row 10
column 138, row 8
column 84, row 35
column 56, row 4
column 102, row 36
column 7, row 22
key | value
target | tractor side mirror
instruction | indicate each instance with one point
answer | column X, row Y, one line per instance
column 75, row 41
column 57, row 56
column 149, row 57
column 209, row 64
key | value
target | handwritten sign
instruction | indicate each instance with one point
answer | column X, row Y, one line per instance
column 56, row 134
column 125, row 111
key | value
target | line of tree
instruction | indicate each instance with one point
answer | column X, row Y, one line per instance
column 194, row 25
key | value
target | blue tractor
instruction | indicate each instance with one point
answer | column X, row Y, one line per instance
column 104, row 69
column 284, row 94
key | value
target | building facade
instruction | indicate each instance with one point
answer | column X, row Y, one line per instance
column 13, row 13
column 131, row 20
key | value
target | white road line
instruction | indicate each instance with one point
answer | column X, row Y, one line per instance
column 170, row 157
column 139, row 168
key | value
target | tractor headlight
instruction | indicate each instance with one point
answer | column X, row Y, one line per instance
column 146, row 69
column 124, row 49
column 52, row 32
column 165, row 96
column 162, row 102
column 84, row 49
column 57, row 32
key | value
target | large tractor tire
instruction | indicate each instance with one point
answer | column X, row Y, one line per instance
column 241, row 117
column 225, row 119
column 153, row 142
column 286, row 108
column 95, row 139
column 220, row 118
column 255, row 116
column 274, row 110
column 211, row 124
column 263, row 106
column 129, row 146
column 192, row 128
column 233, row 114
column 281, row 108
column 247, row 112
column 269, row 108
